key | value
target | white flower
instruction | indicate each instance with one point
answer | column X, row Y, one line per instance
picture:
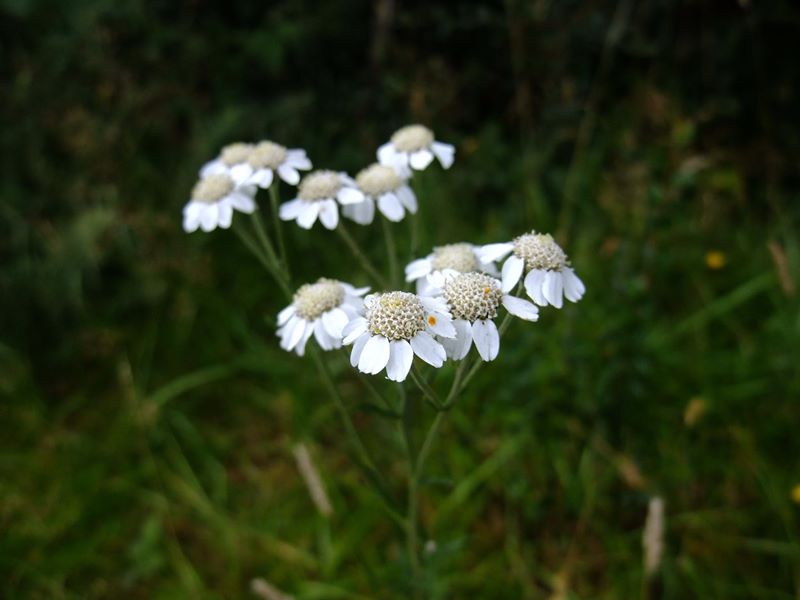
column 213, row 201
column 322, row 309
column 473, row 299
column 382, row 185
column 397, row 326
column 413, row 146
column 255, row 163
column 317, row 196
column 443, row 264
column 232, row 161
column 549, row 277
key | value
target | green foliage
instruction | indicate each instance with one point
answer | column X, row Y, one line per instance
column 147, row 416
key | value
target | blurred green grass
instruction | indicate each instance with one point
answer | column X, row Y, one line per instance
column 148, row 417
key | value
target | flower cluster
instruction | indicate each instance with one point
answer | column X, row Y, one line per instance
column 461, row 288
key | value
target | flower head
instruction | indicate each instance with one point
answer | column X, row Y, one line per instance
column 213, row 201
column 381, row 185
column 317, row 196
column 322, row 309
column 414, row 147
column 549, row 276
column 444, row 263
column 255, row 164
column 474, row 300
column 396, row 326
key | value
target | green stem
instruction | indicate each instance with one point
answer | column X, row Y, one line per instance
column 274, row 197
column 366, row 264
column 252, row 245
column 411, row 526
column 427, row 391
column 391, row 251
column 349, row 427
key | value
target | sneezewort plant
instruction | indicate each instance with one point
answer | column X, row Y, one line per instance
column 393, row 333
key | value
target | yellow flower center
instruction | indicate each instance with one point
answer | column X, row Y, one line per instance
column 412, row 138
column 212, row 189
column 313, row 299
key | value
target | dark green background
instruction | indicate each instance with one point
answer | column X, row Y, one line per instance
column 147, row 415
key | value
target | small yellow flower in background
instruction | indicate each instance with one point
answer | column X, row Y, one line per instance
column 715, row 260
column 694, row 411
column 796, row 494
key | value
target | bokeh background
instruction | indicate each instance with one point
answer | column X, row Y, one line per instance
column 148, row 418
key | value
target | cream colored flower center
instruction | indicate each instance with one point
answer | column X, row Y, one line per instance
column 412, row 138
column 540, row 251
column 212, row 189
column 473, row 296
column 395, row 315
column 233, row 154
column 459, row 257
column 378, row 179
column 267, row 155
column 313, row 299
column 319, row 185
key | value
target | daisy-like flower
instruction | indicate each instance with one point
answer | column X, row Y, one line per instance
column 381, row 184
column 256, row 163
column 413, row 147
column 322, row 309
column 232, row 161
column 473, row 300
column 317, row 196
column 549, row 277
column 398, row 325
column 443, row 264
column 213, row 201
column 267, row 157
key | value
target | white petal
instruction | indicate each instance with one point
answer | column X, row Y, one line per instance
column 354, row 329
column 573, row 286
column 418, row 268
column 375, row 355
column 534, row 281
column 262, row 178
column 334, row 321
column 390, row 206
column 298, row 160
column 387, row 155
column 493, row 252
column 407, row 197
column 329, row 214
column 435, row 304
column 553, row 288
column 444, row 152
column 349, row 195
column 358, row 348
column 362, row 213
column 309, row 211
column 487, row 339
column 521, row 308
column 420, row 159
column 212, row 167
column 290, row 210
column 458, row 346
column 242, row 202
column 512, row 271
column 440, row 324
column 400, row 358
column 288, row 174
column 301, row 345
column 428, row 349
column 241, row 173
column 325, row 340
column 208, row 217
column 191, row 216
column 284, row 315
column 295, row 334
column 225, row 214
